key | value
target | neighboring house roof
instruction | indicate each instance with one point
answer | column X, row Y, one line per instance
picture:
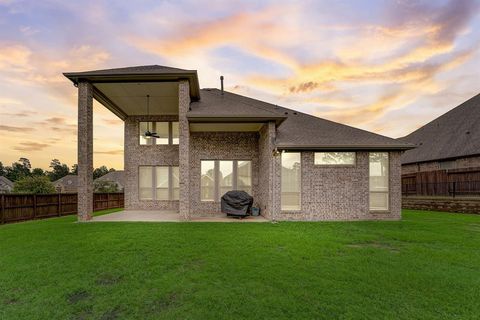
column 454, row 134
column 296, row 130
column 69, row 183
column 114, row 176
column 5, row 184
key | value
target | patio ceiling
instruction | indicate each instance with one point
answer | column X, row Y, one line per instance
column 131, row 97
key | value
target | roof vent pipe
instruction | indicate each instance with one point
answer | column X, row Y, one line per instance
column 221, row 83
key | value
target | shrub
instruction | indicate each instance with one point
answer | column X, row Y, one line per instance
column 35, row 184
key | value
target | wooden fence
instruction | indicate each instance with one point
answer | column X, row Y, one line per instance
column 22, row 207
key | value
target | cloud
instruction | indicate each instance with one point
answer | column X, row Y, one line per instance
column 31, row 146
column 113, row 122
column 21, row 114
column 15, row 129
column 110, row 152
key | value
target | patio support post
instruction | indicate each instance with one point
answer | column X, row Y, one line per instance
column 184, row 149
column 85, row 151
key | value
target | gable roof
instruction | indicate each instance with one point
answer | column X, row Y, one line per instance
column 6, row 181
column 147, row 73
column 114, row 176
column 69, row 180
column 296, row 130
column 452, row 135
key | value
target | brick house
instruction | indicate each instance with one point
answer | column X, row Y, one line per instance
column 209, row 141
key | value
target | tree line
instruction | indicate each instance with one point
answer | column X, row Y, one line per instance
column 23, row 168
column 36, row 180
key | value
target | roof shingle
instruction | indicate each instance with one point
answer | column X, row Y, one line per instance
column 452, row 135
column 298, row 130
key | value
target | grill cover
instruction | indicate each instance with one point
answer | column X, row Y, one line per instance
column 236, row 203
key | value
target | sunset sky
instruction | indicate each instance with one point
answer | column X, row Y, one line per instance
column 384, row 66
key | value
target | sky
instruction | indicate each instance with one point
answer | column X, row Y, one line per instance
column 385, row 66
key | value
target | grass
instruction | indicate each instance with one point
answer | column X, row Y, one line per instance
column 426, row 266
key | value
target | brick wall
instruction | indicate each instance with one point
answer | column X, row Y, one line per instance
column 219, row 146
column 145, row 155
column 342, row 193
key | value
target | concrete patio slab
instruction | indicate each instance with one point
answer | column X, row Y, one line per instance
column 167, row 216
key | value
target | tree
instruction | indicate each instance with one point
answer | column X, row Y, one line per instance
column 105, row 186
column 98, row 172
column 74, row 169
column 38, row 172
column 18, row 170
column 3, row 172
column 35, row 185
column 59, row 170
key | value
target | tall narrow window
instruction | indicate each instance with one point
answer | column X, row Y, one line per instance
column 225, row 177
column 244, row 176
column 379, row 181
column 162, row 182
column 175, row 183
column 175, row 133
column 145, row 183
column 144, row 127
column 207, row 192
column 162, row 130
column 291, row 181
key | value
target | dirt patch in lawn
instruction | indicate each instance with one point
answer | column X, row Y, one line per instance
column 77, row 296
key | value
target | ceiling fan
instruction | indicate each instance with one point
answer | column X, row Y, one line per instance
column 149, row 134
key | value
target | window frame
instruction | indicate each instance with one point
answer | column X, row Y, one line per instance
column 387, row 191
column 300, row 184
column 335, row 164
column 171, row 194
column 216, row 174
column 154, row 129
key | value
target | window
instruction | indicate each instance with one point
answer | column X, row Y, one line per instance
column 378, row 169
column 175, row 133
column 225, row 177
column 158, row 183
column 207, row 192
column 145, row 183
column 220, row 176
column 291, row 181
column 244, row 176
column 168, row 133
column 335, row 158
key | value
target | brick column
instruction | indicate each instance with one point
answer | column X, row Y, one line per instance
column 184, row 149
column 85, row 151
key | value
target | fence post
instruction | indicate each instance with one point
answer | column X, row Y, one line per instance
column 2, row 212
column 108, row 200
column 59, row 206
column 454, row 188
column 34, row 206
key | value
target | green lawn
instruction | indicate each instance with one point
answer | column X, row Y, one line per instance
column 424, row 267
